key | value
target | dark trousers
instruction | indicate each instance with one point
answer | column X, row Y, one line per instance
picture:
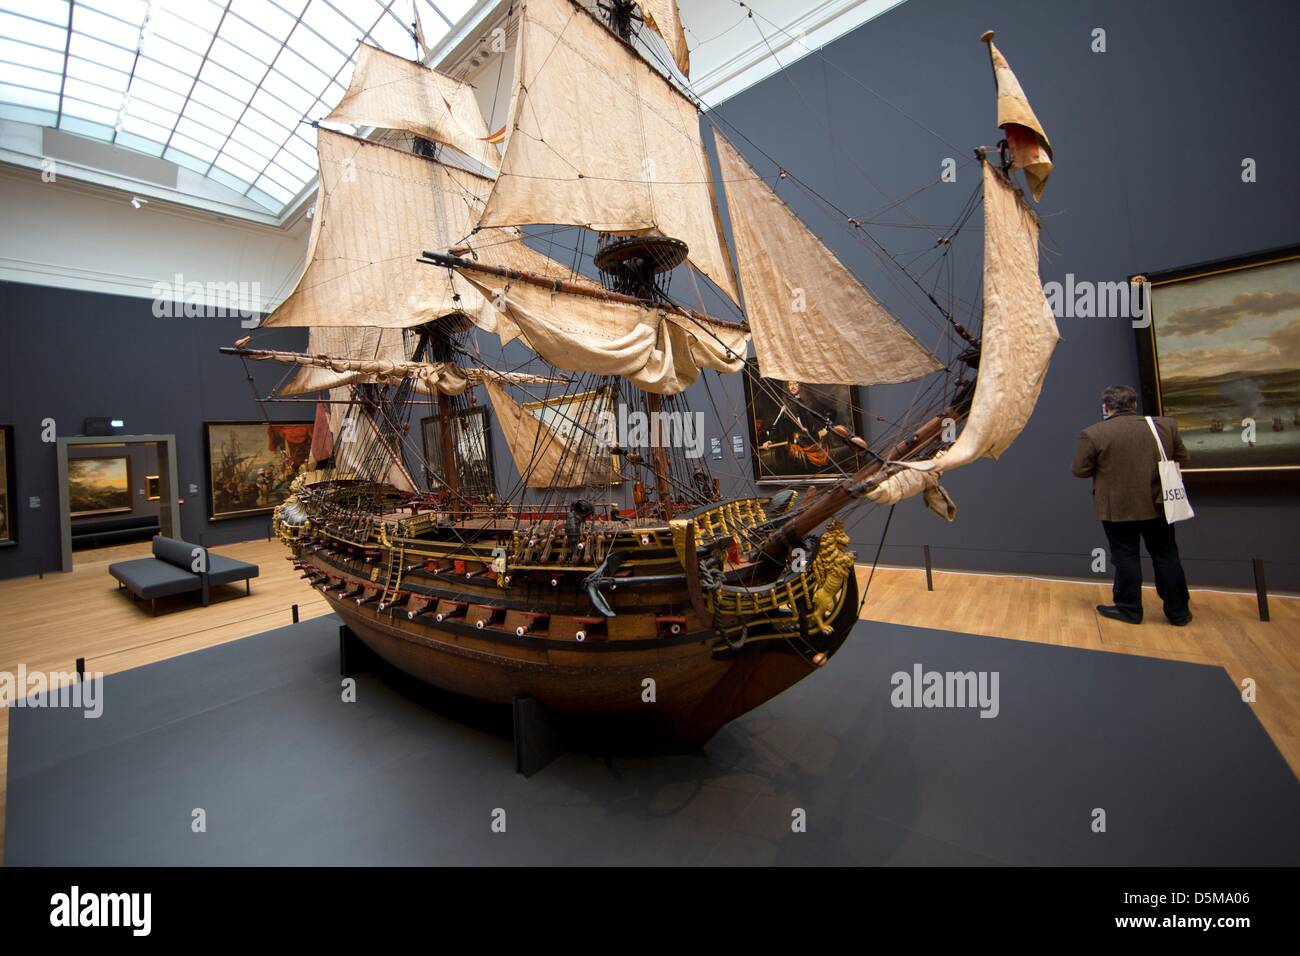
column 1171, row 584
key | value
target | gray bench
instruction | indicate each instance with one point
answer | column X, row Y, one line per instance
column 171, row 571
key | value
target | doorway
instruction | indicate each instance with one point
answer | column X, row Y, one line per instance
column 116, row 489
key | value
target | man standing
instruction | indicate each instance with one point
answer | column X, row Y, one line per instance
column 1119, row 454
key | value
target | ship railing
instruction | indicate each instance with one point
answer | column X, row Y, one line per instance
column 790, row 593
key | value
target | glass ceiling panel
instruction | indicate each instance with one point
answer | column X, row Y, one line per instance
column 228, row 88
column 26, row 30
column 55, row 11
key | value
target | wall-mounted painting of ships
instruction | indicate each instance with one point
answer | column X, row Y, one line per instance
column 251, row 465
column 789, row 426
column 99, row 486
column 1222, row 353
column 8, row 531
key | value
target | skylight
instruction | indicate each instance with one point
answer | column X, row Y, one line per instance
column 227, row 88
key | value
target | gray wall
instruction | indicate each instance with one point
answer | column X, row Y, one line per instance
column 74, row 355
column 1149, row 138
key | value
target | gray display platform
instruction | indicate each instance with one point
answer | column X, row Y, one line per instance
column 256, row 734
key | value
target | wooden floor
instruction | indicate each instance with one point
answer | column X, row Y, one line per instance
column 1225, row 629
column 48, row 623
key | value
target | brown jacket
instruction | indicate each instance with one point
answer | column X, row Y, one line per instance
column 1120, row 457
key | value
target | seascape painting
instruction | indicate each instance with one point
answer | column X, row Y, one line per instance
column 252, row 464
column 1227, row 356
column 99, row 486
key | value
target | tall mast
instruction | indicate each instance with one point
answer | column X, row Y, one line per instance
column 435, row 346
column 640, row 266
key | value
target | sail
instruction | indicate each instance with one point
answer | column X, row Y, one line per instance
column 1030, row 149
column 393, row 92
column 318, row 371
column 367, row 343
column 444, row 377
column 600, row 139
column 354, row 434
column 1018, row 338
column 377, row 210
column 665, row 19
column 544, row 457
column 812, row 321
column 655, row 349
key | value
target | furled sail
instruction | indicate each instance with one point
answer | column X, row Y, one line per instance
column 1030, row 149
column 544, row 457
column 393, row 92
column 600, row 139
column 665, row 19
column 658, row 350
column 318, row 370
column 377, row 209
column 444, row 377
column 1018, row 338
column 367, row 343
column 812, row 321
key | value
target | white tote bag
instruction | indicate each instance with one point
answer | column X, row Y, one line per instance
column 1174, row 495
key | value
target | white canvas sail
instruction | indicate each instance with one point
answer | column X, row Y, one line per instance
column 367, row 344
column 655, row 349
column 1030, row 149
column 1019, row 335
column 599, row 138
column 664, row 17
column 378, row 209
column 393, row 92
column 811, row 320
column 545, row 458
column 354, row 433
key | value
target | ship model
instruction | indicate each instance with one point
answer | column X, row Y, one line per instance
column 612, row 578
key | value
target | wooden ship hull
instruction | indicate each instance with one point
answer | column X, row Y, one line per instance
column 681, row 669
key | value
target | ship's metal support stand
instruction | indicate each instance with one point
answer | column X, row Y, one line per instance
column 353, row 653
column 537, row 735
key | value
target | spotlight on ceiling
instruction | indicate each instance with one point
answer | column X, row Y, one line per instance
column 137, row 202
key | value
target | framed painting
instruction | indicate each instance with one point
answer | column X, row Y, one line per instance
column 99, row 485
column 152, row 487
column 250, row 465
column 787, row 429
column 472, row 440
column 1221, row 355
column 8, row 481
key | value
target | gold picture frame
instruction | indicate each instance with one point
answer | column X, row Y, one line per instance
column 99, row 485
column 1220, row 354
column 152, row 488
column 8, row 516
column 250, row 465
